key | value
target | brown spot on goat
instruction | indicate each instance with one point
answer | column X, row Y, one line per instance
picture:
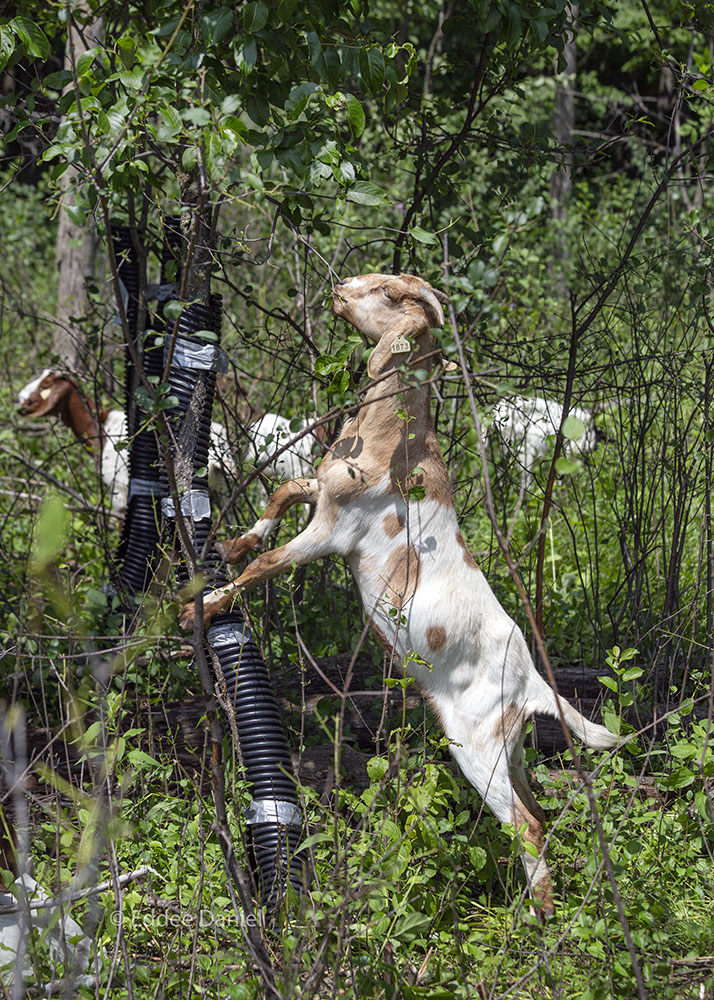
column 401, row 575
column 436, row 636
column 468, row 558
column 392, row 525
column 381, row 638
column 508, row 722
column 534, row 834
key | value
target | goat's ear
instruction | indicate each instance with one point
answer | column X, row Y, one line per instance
column 46, row 399
column 429, row 296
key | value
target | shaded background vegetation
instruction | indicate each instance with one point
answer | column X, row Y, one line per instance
column 549, row 168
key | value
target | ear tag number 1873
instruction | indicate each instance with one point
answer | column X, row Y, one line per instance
column 401, row 346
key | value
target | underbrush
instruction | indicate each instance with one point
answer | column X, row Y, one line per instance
column 416, row 891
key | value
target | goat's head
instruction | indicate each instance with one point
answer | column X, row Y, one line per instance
column 44, row 395
column 385, row 306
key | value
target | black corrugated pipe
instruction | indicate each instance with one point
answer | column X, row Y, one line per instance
column 141, row 531
column 273, row 816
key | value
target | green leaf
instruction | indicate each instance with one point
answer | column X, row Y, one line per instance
column 173, row 309
column 681, row 778
column 377, row 767
column 611, row 720
column 258, row 109
column 355, row 115
column 140, row 758
column 410, row 926
column 325, row 364
column 217, row 23
column 84, row 63
column 50, row 533
column 573, row 428
column 255, row 17
column 134, row 80
column 564, row 467
column 235, row 125
column 609, row 683
column 247, row 56
column 172, row 117
column 632, row 673
column 32, row 37
column 700, row 85
column 299, row 96
column 76, row 214
column 7, row 45
column 422, row 236
column 317, row 57
column 56, row 81
column 366, row 193
column 189, row 158
column 371, row 69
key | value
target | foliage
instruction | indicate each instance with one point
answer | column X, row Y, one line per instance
column 330, row 139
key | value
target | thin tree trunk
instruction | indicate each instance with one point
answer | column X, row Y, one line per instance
column 76, row 245
column 561, row 182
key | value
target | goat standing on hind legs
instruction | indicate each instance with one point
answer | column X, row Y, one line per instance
column 421, row 588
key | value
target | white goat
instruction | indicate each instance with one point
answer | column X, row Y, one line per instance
column 67, row 942
column 527, row 424
column 382, row 499
column 54, row 393
column 270, row 433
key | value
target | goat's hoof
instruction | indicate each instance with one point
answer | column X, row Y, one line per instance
column 234, row 549
column 187, row 618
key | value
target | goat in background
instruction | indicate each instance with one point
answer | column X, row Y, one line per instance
column 56, row 394
column 271, row 432
column 382, row 499
column 527, row 424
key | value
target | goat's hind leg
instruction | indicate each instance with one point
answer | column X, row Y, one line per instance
column 491, row 758
column 286, row 496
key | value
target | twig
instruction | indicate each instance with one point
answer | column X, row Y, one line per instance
column 73, row 897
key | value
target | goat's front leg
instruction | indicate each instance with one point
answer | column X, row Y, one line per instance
column 315, row 541
column 286, row 496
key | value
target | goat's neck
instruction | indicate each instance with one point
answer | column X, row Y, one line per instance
column 79, row 416
column 390, row 395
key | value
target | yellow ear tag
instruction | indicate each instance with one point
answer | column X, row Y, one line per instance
column 401, row 346
column 46, row 393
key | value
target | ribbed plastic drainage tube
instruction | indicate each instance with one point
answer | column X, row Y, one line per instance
column 141, row 531
column 273, row 816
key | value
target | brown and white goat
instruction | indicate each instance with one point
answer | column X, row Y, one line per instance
column 56, row 394
column 382, row 500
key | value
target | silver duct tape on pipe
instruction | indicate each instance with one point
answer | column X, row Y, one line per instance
column 229, row 634
column 144, row 487
column 273, row 811
column 196, row 504
column 161, row 293
column 199, row 357
column 124, row 296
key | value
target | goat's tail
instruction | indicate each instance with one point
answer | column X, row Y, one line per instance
column 543, row 700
